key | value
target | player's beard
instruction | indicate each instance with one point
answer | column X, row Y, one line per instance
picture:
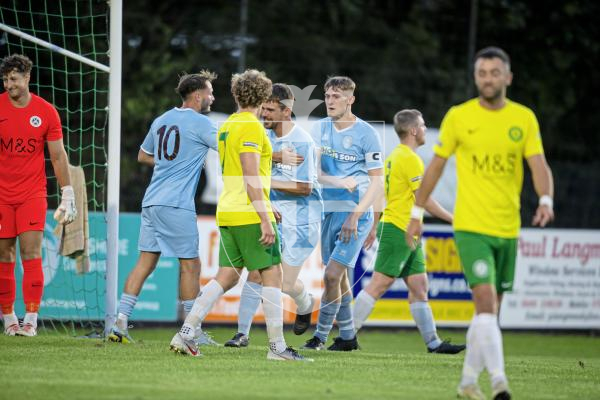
column 270, row 124
column 495, row 95
column 205, row 107
column 16, row 93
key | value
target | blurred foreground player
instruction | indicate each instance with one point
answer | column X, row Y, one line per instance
column 490, row 135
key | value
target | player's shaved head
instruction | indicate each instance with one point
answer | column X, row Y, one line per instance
column 15, row 62
column 405, row 120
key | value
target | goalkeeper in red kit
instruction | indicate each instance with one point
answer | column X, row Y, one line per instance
column 26, row 122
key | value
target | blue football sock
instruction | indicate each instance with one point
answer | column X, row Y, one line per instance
column 127, row 304
column 326, row 317
column 187, row 306
column 344, row 318
column 421, row 313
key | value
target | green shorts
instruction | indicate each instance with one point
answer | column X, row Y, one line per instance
column 239, row 247
column 394, row 257
column 487, row 259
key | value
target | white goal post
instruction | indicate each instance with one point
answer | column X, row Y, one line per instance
column 114, row 144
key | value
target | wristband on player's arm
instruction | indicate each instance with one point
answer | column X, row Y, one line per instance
column 417, row 213
column 547, row 201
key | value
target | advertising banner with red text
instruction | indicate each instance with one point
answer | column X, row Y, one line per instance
column 557, row 281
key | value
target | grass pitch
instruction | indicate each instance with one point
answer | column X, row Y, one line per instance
column 391, row 364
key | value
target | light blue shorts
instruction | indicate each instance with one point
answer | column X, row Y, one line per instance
column 333, row 248
column 170, row 231
column 298, row 242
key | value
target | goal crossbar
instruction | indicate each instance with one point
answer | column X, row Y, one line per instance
column 54, row 48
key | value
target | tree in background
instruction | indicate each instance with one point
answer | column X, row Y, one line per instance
column 401, row 54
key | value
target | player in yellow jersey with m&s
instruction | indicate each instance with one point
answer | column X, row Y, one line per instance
column 395, row 259
column 490, row 135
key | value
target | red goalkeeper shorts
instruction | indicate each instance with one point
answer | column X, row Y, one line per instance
column 18, row 218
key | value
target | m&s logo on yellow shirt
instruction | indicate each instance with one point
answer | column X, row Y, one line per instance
column 515, row 133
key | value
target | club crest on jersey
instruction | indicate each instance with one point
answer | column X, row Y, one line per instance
column 515, row 133
column 347, row 142
column 35, row 121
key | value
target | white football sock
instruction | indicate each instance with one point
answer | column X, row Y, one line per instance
column 208, row 297
column 490, row 340
column 303, row 302
column 249, row 303
column 31, row 319
column 122, row 322
column 273, row 309
column 473, row 363
column 363, row 306
column 10, row 319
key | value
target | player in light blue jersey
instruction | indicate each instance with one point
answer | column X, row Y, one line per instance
column 296, row 194
column 351, row 171
column 175, row 146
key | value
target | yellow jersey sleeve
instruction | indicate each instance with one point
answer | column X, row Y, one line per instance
column 413, row 170
column 448, row 139
column 251, row 138
column 533, row 143
column 403, row 174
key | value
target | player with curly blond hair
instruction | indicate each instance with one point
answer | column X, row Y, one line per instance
column 245, row 218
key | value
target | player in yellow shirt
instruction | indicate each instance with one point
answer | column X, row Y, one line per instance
column 245, row 218
column 395, row 259
column 490, row 136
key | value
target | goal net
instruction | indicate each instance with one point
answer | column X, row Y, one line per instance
column 74, row 289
